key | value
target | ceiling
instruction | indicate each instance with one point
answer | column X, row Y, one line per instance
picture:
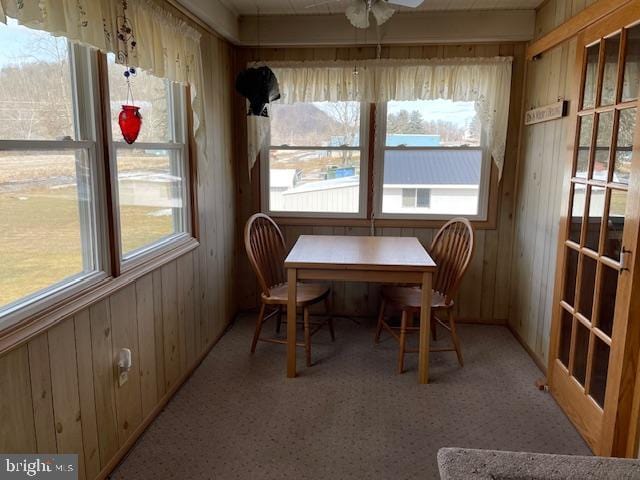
column 310, row 7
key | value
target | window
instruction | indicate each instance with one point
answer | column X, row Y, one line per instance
column 431, row 160
column 315, row 162
column 416, row 198
column 54, row 218
column 48, row 170
column 429, row 163
column 152, row 172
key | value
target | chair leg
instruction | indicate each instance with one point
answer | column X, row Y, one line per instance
column 256, row 334
column 327, row 307
column 307, row 336
column 454, row 337
column 434, row 328
column 383, row 304
column 279, row 319
column 403, row 339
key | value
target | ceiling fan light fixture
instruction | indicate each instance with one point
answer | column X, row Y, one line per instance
column 382, row 12
column 358, row 14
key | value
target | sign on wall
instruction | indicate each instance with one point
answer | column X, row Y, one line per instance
column 546, row 113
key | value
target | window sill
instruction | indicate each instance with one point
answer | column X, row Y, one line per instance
column 380, row 222
column 22, row 331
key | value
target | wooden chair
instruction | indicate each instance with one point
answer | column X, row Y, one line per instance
column 451, row 249
column 266, row 250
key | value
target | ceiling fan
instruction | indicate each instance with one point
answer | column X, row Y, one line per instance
column 359, row 11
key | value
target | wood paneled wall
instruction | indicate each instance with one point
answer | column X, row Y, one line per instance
column 542, row 160
column 483, row 294
column 59, row 392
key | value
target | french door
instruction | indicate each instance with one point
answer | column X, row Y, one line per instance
column 595, row 332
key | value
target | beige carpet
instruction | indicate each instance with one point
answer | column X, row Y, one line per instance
column 349, row 416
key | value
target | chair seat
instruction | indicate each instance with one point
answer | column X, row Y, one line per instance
column 307, row 294
column 409, row 298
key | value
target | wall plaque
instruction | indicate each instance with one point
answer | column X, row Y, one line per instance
column 546, row 113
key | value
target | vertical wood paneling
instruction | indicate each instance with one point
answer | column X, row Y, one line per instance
column 104, row 380
column 146, row 344
column 84, row 357
column 65, row 391
column 124, row 328
column 60, row 391
column 159, row 332
column 484, row 293
column 539, row 185
column 40, row 370
column 170, row 326
column 186, row 290
column 198, row 296
column 181, row 316
column 17, row 431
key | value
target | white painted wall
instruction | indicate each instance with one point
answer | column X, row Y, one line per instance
column 340, row 199
column 455, row 201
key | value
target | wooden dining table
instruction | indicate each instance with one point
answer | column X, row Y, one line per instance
column 360, row 259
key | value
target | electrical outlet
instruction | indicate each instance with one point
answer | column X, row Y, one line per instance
column 124, row 365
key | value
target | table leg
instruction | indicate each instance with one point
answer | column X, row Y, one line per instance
column 292, row 278
column 425, row 329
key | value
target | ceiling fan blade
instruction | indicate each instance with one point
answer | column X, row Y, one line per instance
column 319, row 4
column 358, row 14
column 406, row 3
column 382, row 12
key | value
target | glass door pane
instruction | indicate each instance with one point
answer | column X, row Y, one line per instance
column 596, row 220
column 624, row 145
column 631, row 79
column 610, row 72
column 591, row 77
column 584, row 146
column 593, row 277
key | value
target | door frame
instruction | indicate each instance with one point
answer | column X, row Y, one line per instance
column 619, row 430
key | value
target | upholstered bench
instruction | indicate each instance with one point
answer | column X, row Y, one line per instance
column 470, row 464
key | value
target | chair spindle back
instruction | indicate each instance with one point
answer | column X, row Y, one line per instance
column 266, row 250
column 451, row 249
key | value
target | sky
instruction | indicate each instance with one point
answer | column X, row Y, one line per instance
column 458, row 113
column 16, row 44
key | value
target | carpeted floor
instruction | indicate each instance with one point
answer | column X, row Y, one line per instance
column 349, row 416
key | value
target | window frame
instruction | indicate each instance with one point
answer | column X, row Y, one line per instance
column 34, row 313
column 363, row 148
column 380, row 148
column 373, row 136
column 178, row 145
column 83, row 94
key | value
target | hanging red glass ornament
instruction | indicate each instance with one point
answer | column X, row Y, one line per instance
column 130, row 121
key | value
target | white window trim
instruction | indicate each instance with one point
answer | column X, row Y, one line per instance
column 84, row 78
column 177, row 145
column 363, row 148
column 378, row 181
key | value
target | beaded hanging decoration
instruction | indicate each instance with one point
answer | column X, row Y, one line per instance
column 130, row 118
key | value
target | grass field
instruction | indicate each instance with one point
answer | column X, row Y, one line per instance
column 40, row 242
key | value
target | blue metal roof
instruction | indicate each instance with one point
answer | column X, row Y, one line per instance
column 412, row 140
column 432, row 167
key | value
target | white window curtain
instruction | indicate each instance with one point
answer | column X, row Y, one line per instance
column 485, row 81
column 166, row 46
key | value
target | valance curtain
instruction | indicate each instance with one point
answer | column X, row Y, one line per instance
column 485, row 81
column 166, row 46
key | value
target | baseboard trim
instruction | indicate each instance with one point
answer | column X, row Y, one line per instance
column 124, row 450
column 536, row 359
column 483, row 321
